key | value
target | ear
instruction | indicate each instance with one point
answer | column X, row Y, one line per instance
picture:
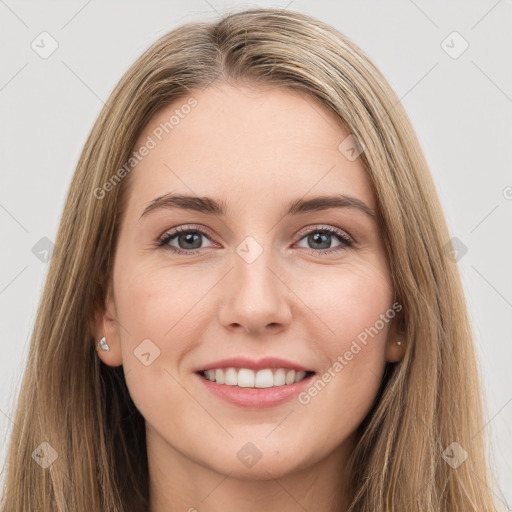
column 103, row 323
column 397, row 333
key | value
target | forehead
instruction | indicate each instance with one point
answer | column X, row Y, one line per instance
column 246, row 143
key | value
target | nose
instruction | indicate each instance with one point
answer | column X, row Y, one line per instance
column 256, row 298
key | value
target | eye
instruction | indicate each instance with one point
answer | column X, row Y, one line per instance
column 321, row 238
column 188, row 240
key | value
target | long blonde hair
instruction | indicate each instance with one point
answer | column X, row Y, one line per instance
column 427, row 401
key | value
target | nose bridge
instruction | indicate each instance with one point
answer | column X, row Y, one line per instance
column 252, row 263
column 256, row 297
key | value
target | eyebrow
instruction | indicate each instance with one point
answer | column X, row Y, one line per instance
column 211, row 206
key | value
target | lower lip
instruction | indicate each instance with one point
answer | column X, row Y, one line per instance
column 256, row 398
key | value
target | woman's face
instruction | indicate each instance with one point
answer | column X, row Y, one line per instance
column 264, row 271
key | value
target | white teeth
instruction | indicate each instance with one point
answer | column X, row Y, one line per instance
column 280, row 377
column 230, row 377
column 299, row 376
column 210, row 374
column 264, row 379
column 219, row 376
column 246, row 378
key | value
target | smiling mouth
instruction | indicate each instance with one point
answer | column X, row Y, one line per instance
column 247, row 378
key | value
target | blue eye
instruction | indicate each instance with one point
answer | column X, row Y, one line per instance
column 324, row 237
column 189, row 240
column 186, row 237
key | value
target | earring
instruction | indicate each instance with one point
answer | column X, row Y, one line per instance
column 398, row 342
column 103, row 344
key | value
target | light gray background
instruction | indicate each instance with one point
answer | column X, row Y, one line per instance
column 461, row 109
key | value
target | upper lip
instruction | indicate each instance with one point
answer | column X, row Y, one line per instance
column 260, row 364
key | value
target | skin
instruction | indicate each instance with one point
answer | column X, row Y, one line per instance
column 257, row 149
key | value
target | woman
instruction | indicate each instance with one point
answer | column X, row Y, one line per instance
column 195, row 349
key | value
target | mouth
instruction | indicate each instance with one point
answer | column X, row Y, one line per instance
column 255, row 389
column 260, row 379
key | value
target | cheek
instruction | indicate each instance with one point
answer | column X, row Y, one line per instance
column 332, row 307
column 347, row 302
column 157, row 304
column 172, row 307
column 157, row 320
column 355, row 304
column 161, row 318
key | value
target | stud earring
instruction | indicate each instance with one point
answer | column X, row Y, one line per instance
column 398, row 342
column 103, row 344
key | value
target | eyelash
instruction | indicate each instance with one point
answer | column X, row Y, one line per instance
column 168, row 236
